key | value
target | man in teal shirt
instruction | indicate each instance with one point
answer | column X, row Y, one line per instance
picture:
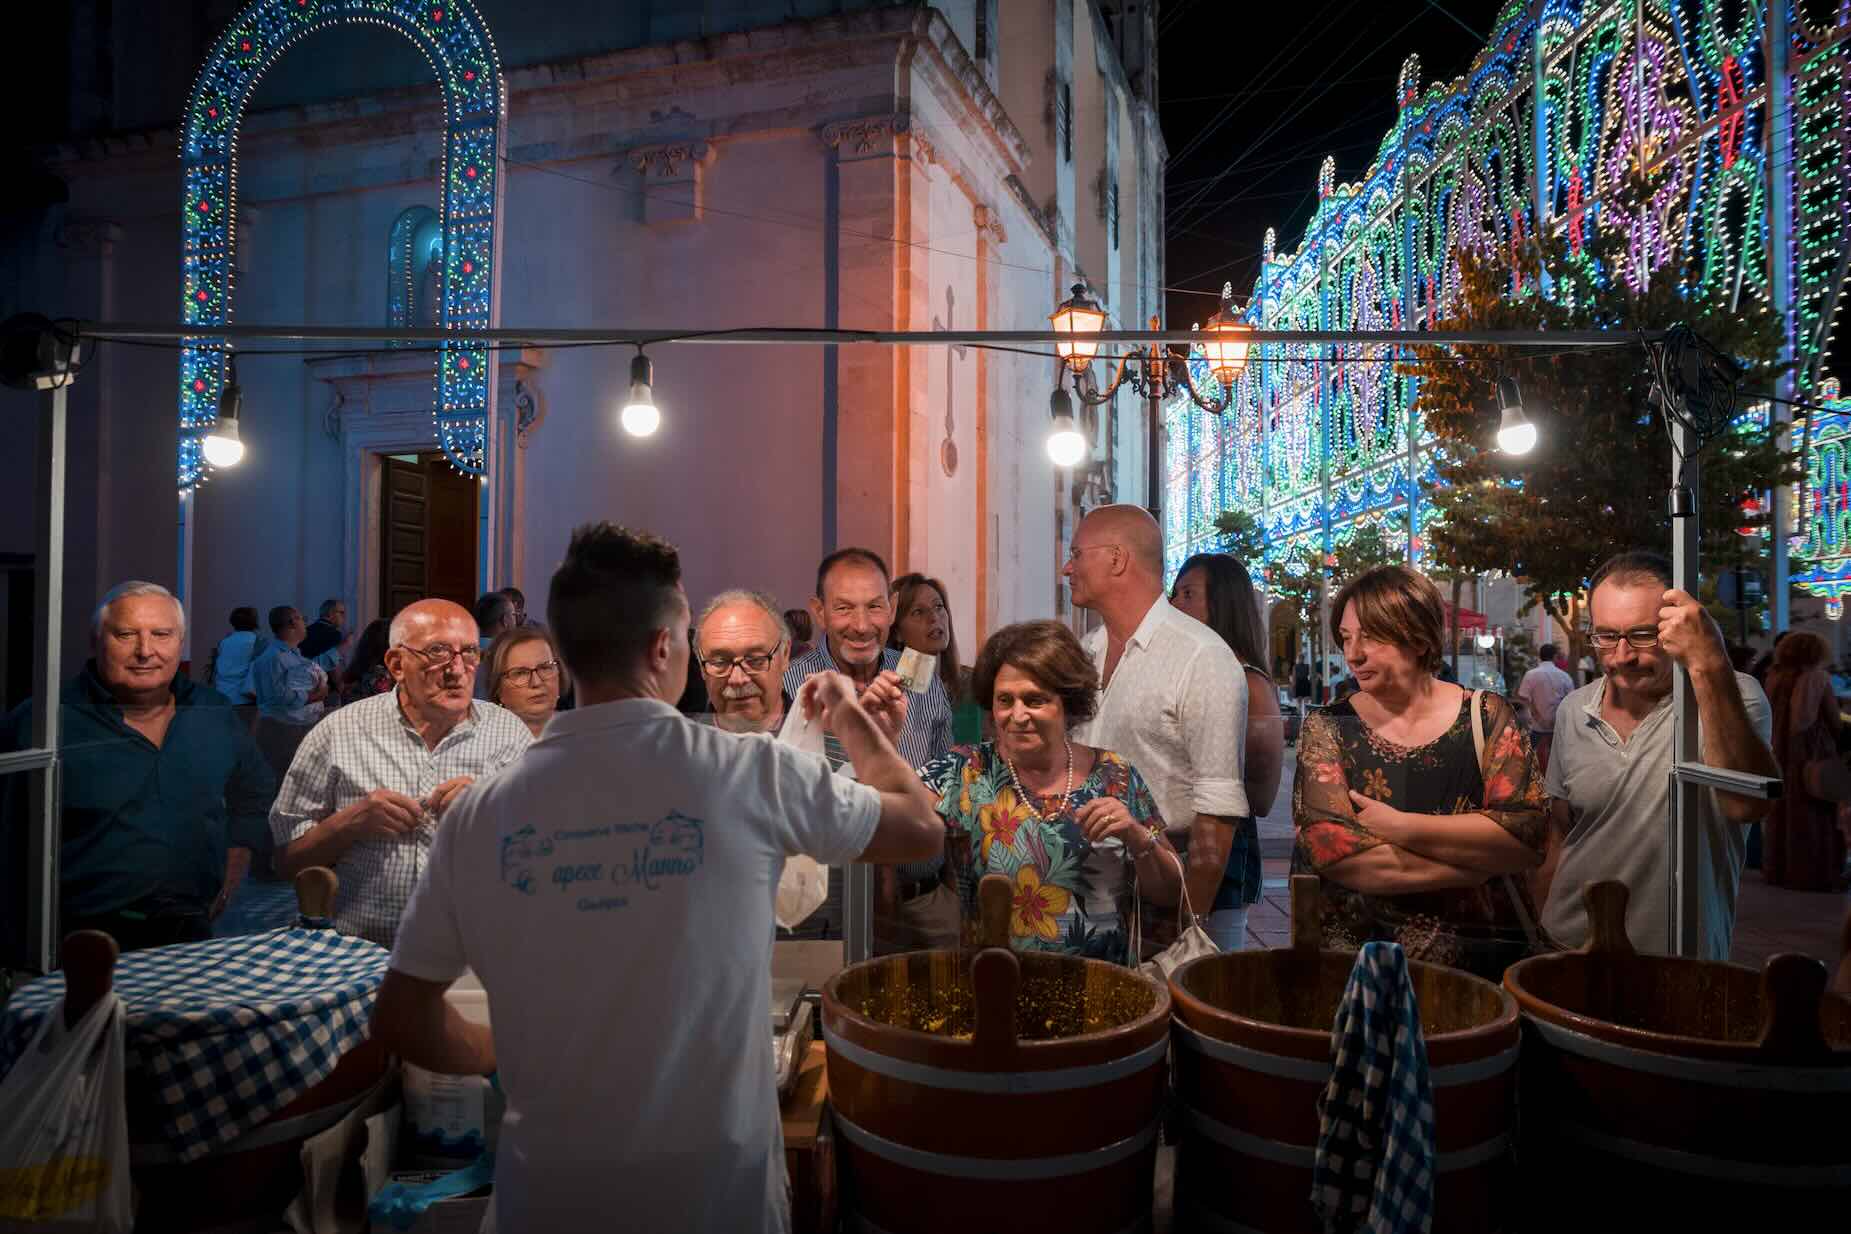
column 163, row 793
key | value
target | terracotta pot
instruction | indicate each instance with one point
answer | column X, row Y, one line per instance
column 1252, row 1032
column 1686, row 1093
column 969, row 1088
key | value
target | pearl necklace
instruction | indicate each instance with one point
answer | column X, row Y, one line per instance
column 1028, row 798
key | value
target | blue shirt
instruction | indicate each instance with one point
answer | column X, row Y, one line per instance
column 139, row 820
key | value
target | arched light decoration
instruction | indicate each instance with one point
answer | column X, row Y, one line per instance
column 1227, row 354
column 456, row 42
column 1080, row 318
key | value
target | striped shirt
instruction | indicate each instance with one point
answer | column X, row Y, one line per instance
column 927, row 734
column 370, row 744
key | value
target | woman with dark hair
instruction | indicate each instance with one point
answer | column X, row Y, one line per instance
column 1414, row 800
column 1802, row 847
column 922, row 621
column 1216, row 590
column 1065, row 823
column 368, row 675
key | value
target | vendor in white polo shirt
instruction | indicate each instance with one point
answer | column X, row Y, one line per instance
column 613, row 891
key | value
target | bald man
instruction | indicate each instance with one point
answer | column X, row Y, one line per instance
column 1172, row 701
column 370, row 784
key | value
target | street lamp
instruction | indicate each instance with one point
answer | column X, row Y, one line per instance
column 1066, row 443
column 222, row 446
column 639, row 416
column 1516, row 435
column 1154, row 372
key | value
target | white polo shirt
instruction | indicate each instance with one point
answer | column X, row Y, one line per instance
column 1176, row 708
column 613, row 890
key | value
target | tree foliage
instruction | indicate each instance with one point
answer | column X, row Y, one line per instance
column 1598, row 478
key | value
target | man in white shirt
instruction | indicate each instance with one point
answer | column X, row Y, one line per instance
column 370, row 784
column 1541, row 693
column 613, row 892
column 1172, row 700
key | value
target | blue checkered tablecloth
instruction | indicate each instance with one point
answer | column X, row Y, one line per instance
column 224, row 1033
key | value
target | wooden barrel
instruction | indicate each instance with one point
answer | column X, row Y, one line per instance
column 1687, row 1094
column 1010, row 1090
column 1252, row 1032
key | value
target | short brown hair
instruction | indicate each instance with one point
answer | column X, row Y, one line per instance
column 503, row 647
column 1396, row 605
column 1049, row 653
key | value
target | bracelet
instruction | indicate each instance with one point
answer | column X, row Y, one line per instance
column 1156, row 834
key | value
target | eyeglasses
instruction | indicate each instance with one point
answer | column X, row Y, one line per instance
column 1073, row 554
column 1640, row 637
column 439, row 655
column 722, row 666
column 548, row 670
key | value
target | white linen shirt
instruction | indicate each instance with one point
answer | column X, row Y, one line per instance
column 613, row 891
column 1176, row 708
column 370, row 744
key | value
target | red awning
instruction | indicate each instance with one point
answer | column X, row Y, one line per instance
column 1468, row 620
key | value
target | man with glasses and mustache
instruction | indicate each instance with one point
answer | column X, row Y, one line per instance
column 1609, row 773
column 370, row 784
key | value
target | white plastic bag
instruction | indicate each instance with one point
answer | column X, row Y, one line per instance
column 804, row 884
column 64, row 1141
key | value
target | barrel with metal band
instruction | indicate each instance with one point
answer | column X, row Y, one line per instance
column 1687, row 1094
column 1253, row 1038
column 995, row 1089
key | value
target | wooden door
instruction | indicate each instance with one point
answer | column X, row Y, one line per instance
column 405, row 507
column 452, row 511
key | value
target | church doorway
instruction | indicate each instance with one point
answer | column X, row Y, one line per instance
column 428, row 525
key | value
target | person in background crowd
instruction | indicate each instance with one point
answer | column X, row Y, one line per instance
column 922, row 621
column 623, row 942
column 1216, row 590
column 797, row 620
column 368, row 675
column 371, row 783
column 1610, row 772
column 1741, row 657
column 518, row 599
column 290, row 690
column 494, row 614
column 1541, row 692
column 162, row 791
column 853, row 608
column 230, row 671
column 1802, row 848
column 742, row 645
column 1173, row 698
column 1301, row 689
column 326, row 640
column 524, row 675
column 1764, row 663
column 1070, row 826
column 1412, row 829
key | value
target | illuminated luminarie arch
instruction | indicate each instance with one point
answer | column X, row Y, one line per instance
column 462, row 54
column 1322, row 441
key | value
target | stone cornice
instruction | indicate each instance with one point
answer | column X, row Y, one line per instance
column 935, row 33
column 665, row 161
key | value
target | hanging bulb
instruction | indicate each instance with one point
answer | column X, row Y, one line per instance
column 1516, row 435
column 639, row 417
column 222, row 445
column 1066, row 443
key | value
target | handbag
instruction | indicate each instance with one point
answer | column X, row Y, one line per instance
column 1192, row 941
column 1510, row 886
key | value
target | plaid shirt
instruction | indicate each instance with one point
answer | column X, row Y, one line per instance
column 927, row 734
column 367, row 745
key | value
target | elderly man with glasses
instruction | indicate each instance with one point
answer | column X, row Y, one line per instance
column 370, row 784
column 1609, row 773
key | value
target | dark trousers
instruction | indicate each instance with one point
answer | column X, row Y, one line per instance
column 154, row 925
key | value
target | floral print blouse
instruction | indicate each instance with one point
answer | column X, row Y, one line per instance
column 1069, row 896
column 1481, row 929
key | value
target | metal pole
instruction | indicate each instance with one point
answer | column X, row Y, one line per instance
column 1686, row 801
column 48, row 577
column 1154, row 447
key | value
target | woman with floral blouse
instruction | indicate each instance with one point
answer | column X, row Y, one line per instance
column 1066, row 824
column 1414, row 835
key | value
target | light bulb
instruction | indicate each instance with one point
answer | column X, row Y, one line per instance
column 639, row 416
column 1518, row 438
column 222, row 446
column 1066, row 443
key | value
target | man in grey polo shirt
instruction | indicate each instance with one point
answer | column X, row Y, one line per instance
column 1609, row 775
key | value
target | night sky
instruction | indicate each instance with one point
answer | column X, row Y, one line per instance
column 1262, row 94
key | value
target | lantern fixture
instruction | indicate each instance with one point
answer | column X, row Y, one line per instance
column 1153, row 372
column 1067, row 445
column 640, row 417
column 1080, row 319
column 1227, row 354
column 222, row 445
column 1516, row 435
